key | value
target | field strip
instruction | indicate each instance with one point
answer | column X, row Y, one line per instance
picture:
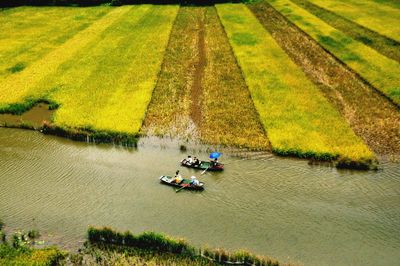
column 373, row 118
column 168, row 113
column 29, row 33
column 220, row 91
column 380, row 43
column 108, row 84
column 17, row 87
column 227, row 99
column 298, row 119
column 375, row 16
column 84, row 83
column 375, row 68
column 136, row 87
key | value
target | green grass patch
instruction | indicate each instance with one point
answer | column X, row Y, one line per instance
column 17, row 67
column 38, row 257
column 380, row 71
column 298, row 119
column 19, row 251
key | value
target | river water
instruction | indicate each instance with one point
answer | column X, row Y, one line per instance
column 283, row 208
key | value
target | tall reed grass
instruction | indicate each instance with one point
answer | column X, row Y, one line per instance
column 106, row 238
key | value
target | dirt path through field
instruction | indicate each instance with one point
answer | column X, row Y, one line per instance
column 372, row 117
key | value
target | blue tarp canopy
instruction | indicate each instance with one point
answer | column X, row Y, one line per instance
column 215, row 155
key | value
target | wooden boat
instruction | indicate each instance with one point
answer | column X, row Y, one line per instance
column 168, row 180
column 210, row 166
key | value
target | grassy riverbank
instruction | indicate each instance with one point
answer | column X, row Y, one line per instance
column 155, row 248
column 19, row 250
column 108, row 247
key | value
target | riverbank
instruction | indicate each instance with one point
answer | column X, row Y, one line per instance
column 108, row 247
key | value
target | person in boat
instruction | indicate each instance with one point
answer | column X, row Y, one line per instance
column 177, row 178
column 196, row 161
column 194, row 181
column 189, row 160
column 214, row 162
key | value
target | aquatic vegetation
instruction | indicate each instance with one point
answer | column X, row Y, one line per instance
column 298, row 119
column 380, row 71
column 150, row 245
column 20, row 252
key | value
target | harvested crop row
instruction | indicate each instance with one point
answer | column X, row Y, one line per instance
column 168, row 113
column 298, row 119
column 18, row 87
column 375, row 68
column 29, row 33
column 201, row 92
column 374, row 119
column 375, row 16
column 376, row 41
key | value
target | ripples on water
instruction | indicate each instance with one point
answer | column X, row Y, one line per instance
column 274, row 206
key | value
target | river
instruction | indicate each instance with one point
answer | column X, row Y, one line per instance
column 284, row 208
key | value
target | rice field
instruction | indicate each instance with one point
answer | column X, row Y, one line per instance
column 207, row 108
column 117, row 57
column 27, row 35
column 375, row 68
column 209, row 74
column 298, row 119
column 374, row 118
column 382, row 44
column 378, row 17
